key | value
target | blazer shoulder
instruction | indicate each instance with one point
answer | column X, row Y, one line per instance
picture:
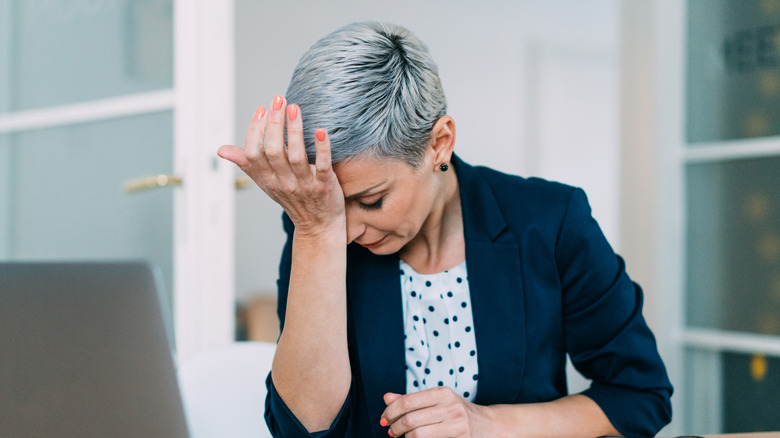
column 529, row 194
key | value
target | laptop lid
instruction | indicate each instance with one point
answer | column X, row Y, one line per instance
column 84, row 353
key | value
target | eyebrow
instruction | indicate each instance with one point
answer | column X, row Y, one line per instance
column 364, row 192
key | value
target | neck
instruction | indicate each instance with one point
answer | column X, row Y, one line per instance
column 440, row 244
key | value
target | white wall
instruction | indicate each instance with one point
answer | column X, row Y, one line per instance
column 532, row 86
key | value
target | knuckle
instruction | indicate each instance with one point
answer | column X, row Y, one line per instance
column 276, row 122
column 456, row 410
column 408, row 420
column 273, row 152
column 252, row 154
column 320, row 190
column 288, row 187
column 296, row 158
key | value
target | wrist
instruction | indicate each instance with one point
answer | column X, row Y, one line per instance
column 335, row 231
column 502, row 421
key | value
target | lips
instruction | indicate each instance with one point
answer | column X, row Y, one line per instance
column 372, row 245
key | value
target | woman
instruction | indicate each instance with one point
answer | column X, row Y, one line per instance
column 424, row 297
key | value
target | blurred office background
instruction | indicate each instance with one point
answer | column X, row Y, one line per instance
column 666, row 112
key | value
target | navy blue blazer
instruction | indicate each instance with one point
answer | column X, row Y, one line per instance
column 544, row 282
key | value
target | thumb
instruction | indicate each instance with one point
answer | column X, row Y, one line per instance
column 391, row 397
column 233, row 154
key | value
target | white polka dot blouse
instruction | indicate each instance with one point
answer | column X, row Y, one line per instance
column 441, row 349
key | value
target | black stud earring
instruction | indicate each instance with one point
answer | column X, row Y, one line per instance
column 444, row 167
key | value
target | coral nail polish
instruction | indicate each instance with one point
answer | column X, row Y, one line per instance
column 277, row 103
column 292, row 112
column 259, row 113
column 390, row 432
column 383, row 422
column 320, row 134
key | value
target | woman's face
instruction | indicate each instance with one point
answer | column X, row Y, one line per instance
column 387, row 201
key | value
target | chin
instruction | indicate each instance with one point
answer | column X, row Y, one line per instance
column 391, row 246
column 384, row 250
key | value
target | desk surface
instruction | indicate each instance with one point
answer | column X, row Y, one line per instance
column 747, row 435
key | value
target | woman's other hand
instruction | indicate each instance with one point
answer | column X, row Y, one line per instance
column 437, row 412
column 309, row 193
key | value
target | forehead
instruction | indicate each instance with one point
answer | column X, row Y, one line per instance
column 359, row 174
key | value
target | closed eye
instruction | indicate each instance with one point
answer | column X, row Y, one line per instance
column 375, row 206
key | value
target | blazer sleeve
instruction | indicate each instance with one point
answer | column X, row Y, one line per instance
column 606, row 335
column 279, row 418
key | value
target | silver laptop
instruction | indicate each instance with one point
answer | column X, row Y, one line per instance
column 85, row 352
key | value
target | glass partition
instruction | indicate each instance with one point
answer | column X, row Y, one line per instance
column 733, row 70
column 731, row 392
column 61, row 52
column 64, row 198
column 733, row 254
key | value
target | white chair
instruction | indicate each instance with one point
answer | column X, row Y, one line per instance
column 224, row 390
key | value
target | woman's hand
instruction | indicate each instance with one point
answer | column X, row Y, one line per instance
column 309, row 193
column 437, row 412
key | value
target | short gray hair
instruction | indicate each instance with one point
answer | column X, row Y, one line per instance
column 374, row 88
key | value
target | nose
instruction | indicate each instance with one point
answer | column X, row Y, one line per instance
column 355, row 227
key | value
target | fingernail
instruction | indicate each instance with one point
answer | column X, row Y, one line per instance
column 383, row 422
column 259, row 113
column 390, row 432
column 292, row 112
column 320, row 134
column 278, row 103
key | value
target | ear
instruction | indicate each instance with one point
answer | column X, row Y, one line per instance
column 443, row 140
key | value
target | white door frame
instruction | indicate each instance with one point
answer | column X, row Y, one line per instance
column 651, row 204
column 204, row 297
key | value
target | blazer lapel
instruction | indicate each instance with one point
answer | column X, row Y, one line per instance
column 376, row 310
column 496, row 287
column 499, row 319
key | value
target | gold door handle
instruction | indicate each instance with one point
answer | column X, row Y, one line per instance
column 243, row 182
column 159, row 181
column 152, row 182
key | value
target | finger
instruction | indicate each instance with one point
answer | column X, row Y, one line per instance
column 273, row 144
column 234, row 154
column 445, row 428
column 419, row 419
column 323, row 158
column 296, row 149
column 410, row 402
column 390, row 397
column 253, row 145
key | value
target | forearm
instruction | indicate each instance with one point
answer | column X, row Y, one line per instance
column 572, row 416
column 311, row 369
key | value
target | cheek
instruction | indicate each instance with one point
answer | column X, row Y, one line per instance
column 408, row 214
column 395, row 221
